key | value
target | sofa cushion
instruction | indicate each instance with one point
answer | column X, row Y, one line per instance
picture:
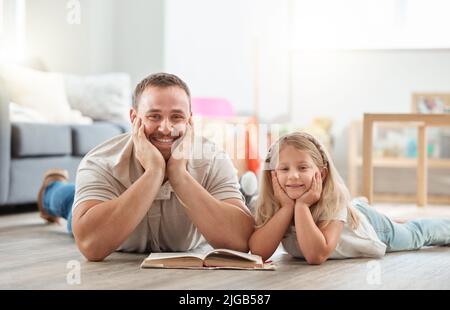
column 26, row 175
column 31, row 139
column 86, row 137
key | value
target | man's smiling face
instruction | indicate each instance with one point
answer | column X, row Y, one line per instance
column 165, row 113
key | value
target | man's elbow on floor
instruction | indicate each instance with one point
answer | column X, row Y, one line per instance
column 265, row 255
column 316, row 260
column 237, row 240
column 242, row 241
column 91, row 252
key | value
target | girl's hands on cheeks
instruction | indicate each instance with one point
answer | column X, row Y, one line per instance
column 279, row 193
column 313, row 194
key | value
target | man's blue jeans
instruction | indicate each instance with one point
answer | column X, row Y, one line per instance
column 58, row 201
column 411, row 235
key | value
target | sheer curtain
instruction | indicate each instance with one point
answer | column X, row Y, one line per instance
column 12, row 30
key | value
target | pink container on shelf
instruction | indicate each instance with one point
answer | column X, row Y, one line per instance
column 212, row 107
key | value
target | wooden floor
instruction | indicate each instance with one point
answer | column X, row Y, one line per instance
column 35, row 255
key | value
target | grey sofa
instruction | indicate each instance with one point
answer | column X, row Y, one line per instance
column 27, row 150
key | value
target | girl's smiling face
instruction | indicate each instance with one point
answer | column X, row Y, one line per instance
column 295, row 171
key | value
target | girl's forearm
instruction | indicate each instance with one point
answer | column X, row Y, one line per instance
column 310, row 239
column 266, row 239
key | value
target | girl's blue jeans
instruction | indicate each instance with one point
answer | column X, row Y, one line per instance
column 411, row 235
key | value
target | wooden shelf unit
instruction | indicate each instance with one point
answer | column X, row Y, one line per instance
column 368, row 162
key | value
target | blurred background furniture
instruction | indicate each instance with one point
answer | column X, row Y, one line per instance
column 238, row 136
column 35, row 135
column 421, row 121
column 27, row 150
column 394, row 171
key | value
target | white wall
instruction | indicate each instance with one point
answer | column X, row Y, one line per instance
column 68, row 47
column 222, row 49
column 113, row 35
column 139, row 37
column 345, row 84
column 205, row 45
column 209, row 43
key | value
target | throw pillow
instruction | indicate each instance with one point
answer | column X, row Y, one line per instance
column 101, row 97
column 42, row 92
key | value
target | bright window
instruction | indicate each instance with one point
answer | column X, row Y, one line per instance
column 367, row 24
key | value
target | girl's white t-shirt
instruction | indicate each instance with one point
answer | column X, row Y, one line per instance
column 361, row 242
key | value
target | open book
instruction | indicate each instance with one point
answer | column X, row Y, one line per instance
column 214, row 259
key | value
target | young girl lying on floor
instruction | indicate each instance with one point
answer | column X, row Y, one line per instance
column 304, row 204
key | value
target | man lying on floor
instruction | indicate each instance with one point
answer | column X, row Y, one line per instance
column 144, row 191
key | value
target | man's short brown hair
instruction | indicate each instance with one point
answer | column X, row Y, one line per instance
column 161, row 80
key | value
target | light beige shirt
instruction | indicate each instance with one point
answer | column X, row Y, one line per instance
column 111, row 168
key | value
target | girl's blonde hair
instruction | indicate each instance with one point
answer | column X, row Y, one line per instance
column 335, row 194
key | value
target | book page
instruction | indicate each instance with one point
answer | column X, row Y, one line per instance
column 214, row 259
column 247, row 256
column 173, row 260
column 227, row 260
column 167, row 255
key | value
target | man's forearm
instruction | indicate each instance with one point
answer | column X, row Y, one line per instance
column 222, row 224
column 107, row 225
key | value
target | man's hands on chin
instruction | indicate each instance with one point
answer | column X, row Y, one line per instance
column 177, row 164
column 148, row 155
